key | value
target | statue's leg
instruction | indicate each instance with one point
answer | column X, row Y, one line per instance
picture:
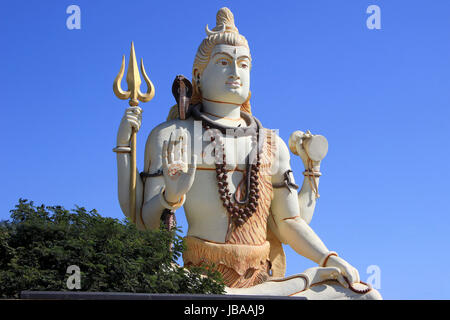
column 332, row 290
column 280, row 287
column 293, row 286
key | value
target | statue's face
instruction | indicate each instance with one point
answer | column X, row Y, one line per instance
column 226, row 78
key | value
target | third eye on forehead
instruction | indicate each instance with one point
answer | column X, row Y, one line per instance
column 232, row 52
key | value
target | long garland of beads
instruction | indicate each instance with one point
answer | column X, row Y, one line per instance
column 239, row 211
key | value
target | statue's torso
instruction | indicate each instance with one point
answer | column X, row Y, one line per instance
column 206, row 216
column 240, row 253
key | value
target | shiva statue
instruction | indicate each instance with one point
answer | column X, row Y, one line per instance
column 233, row 177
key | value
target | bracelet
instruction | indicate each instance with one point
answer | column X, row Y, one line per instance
column 168, row 205
column 312, row 173
column 324, row 260
column 122, row 149
column 309, row 172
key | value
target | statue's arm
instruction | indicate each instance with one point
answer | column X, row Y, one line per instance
column 309, row 190
column 166, row 159
column 288, row 223
column 148, row 206
column 152, row 208
column 131, row 119
column 307, row 198
column 292, row 229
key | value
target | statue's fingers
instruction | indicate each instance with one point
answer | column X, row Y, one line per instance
column 350, row 274
column 134, row 124
column 357, row 275
column 134, row 118
column 136, row 110
column 184, row 155
column 342, row 281
column 131, row 117
column 134, row 115
column 178, row 145
column 138, row 124
column 164, row 157
column 186, row 144
column 170, row 148
column 193, row 165
column 329, row 273
column 354, row 276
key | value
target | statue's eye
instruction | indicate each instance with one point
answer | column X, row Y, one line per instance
column 243, row 64
column 223, row 62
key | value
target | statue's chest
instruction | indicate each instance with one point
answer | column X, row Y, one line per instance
column 236, row 151
column 244, row 192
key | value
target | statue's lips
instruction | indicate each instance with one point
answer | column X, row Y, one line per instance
column 234, row 84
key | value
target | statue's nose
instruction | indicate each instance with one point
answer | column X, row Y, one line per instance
column 234, row 71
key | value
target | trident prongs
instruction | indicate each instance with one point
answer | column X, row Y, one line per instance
column 133, row 81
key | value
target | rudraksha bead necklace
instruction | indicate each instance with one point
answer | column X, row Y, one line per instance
column 239, row 210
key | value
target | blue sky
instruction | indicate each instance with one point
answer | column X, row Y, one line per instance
column 381, row 97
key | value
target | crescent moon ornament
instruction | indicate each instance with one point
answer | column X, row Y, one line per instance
column 209, row 32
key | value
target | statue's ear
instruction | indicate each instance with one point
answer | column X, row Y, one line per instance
column 197, row 77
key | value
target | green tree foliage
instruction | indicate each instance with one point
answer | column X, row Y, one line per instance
column 40, row 242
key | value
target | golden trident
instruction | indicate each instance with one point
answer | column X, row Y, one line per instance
column 135, row 95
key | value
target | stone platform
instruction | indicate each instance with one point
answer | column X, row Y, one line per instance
column 83, row 295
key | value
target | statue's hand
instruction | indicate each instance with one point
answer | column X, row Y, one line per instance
column 319, row 274
column 131, row 119
column 346, row 269
column 178, row 173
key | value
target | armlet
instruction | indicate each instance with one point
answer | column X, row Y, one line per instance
column 150, row 175
column 287, row 182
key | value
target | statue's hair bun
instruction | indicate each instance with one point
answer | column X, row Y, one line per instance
column 224, row 22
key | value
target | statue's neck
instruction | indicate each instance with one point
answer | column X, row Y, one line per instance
column 222, row 110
